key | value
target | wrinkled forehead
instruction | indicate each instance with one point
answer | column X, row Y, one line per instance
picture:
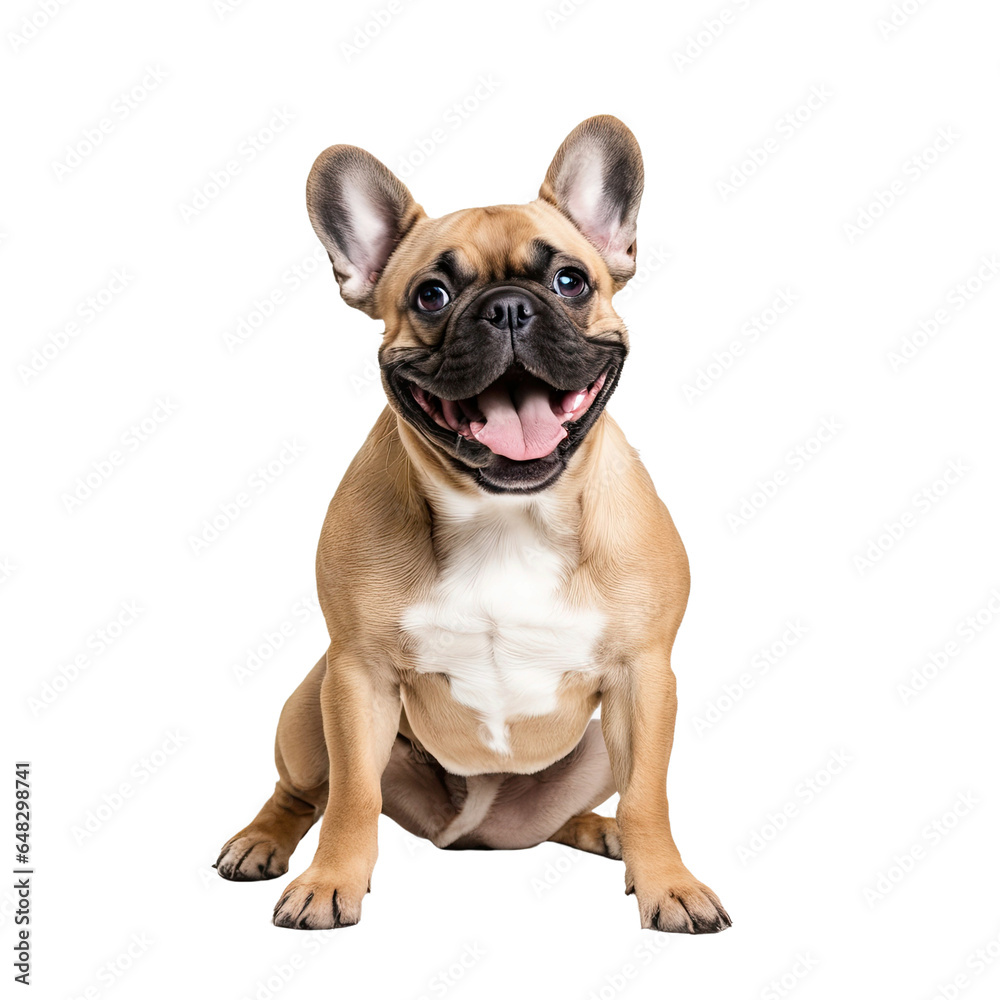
column 484, row 245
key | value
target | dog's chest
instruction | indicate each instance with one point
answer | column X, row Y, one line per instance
column 496, row 623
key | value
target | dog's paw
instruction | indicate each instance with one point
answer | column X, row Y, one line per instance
column 592, row 833
column 681, row 904
column 250, row 858
column 319, row 900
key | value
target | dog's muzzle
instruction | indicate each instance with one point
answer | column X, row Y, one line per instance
column 511, row 390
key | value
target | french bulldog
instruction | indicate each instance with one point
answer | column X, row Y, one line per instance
column 496, row 563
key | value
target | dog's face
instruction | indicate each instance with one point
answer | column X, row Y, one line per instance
column 501, row 346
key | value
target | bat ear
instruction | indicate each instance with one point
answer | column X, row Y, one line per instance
column 596, row 180
column 360, row 211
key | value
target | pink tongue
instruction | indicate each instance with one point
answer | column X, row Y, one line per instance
column 521, row 428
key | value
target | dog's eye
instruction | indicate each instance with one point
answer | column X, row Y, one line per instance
column 569, row 282
column 431, row 297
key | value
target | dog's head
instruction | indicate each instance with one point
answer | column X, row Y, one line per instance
column 501, row 346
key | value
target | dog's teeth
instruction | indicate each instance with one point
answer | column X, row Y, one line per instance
column 471, row 409
column 570, row 405
column 453, row 415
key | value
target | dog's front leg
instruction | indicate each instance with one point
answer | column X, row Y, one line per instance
column 638, row 709
column 361, row 709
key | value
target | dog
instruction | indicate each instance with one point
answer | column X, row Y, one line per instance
column 495, row 563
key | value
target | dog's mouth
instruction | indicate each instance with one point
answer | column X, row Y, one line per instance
column 518, row 416
column 512, row 423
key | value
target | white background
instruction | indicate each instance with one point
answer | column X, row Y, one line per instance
column 546, row 922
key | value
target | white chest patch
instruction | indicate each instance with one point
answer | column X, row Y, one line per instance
column 495, row 624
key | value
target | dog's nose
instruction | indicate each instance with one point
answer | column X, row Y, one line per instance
column 507, row 309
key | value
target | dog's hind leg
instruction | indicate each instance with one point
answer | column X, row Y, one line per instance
column 418, row 793
column 553, row 804
column 593, row 833
column 262, row 849
column 505, row 811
